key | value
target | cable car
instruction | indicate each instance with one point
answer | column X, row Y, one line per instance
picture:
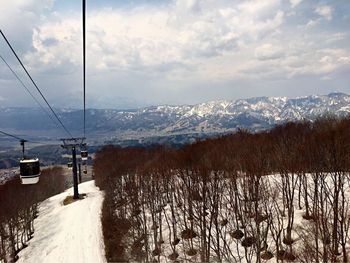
column 85, row 168
column 29, row 170
column 70, row 165
column 84, row 155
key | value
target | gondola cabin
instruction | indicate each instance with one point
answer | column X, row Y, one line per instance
column 70, row 165
column 84, row 155
column 30, row 171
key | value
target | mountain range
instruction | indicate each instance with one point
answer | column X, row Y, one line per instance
column 205, row 118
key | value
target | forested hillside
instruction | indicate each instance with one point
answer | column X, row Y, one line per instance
column 277, row 195
column 19, row 207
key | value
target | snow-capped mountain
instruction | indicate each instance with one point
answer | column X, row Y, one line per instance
column 215, row 116
column 218, row 116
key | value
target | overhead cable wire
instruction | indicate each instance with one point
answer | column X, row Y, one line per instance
column 84, row 59
column 37, row 88
column 13, row 136
column 36, row 143
column 27, row 89
column 21, row 139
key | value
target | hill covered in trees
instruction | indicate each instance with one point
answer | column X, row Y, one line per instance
column 19, row 207
column 275, row 195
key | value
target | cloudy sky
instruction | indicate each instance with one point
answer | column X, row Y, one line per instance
column 145, row 52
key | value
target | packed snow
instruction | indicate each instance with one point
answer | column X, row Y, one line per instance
column 70, row 233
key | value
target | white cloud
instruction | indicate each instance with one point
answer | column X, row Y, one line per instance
column 295, row 3
column 153, row 37
column 297, row 58
column 175, row 47
column 326, row 78
column 311, row 23
column 7, row 8
column 337, row 37
column 189, row 5
column 321, row 62
column 19, row 17
column 268, row 52
column 257, row 7
column 186, row 40
column 325, row 11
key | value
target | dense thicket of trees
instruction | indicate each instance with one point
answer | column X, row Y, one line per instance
column 19, row 208
column 282, row 193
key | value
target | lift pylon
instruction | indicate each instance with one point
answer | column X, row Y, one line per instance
column 72, row 144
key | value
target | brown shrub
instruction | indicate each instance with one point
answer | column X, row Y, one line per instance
column 284, row 255
column 248, row 241
column 191, row 252
column 188, row 234
column 266, row 255
column 237, row 234
column 173, row 256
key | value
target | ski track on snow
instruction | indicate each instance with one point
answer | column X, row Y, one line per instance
column 71, row 233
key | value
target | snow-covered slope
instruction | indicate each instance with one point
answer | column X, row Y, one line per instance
column 220, row 116
column 70, row 233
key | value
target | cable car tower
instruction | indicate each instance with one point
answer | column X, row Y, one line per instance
column 72, row 144
column 84, row 152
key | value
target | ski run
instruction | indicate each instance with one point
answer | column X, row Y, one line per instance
column 68, row 233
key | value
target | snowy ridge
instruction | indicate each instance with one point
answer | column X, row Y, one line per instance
column 210, row 117
column 255, row 113
column 70, row 233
